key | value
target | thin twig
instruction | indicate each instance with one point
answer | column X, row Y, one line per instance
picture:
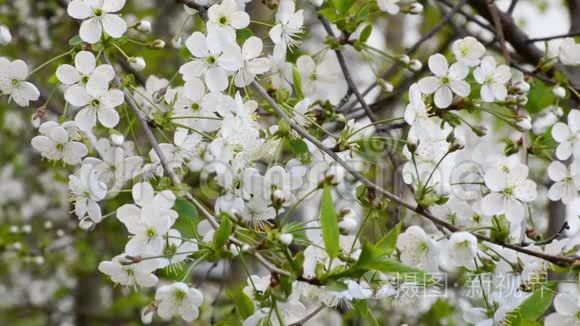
column 309, row 316
column 498, row 30
column 553, row 37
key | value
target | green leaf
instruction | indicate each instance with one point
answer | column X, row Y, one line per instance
column 539, row 97
column 243, row 303
column 243, row 34
column 342, row 6
column 373, row 258
column 329, row 223
column 298, row 146
column 362, row 307
column 75, row 40
column 297, row 83
column 223, row 233
column 185, row 208
column 389, row 242
column 366, row 33
column 536, row 305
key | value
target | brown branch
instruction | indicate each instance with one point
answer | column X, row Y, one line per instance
column 493, row 11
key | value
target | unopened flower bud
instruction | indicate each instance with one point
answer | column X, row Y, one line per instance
column 147, row 314
column 26, row 228
column 137, row 63
column 60, row 233
column 246, row 248
column 48, row 225
column 16, row 246
column 524, row 123
column 414, row 9
column 5, row 36
column 143, row 26
column 235, row 250
column 157, row 44
column 286, row 238
column 559, row 91
column 117, row 139
column 348, row 225
column 14, row 229
column 176, row 42
column 415, row 65
column 404, row 59
column 385, row 85
column 39, row 260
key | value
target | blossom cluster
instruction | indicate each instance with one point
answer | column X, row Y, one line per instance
column 252, row 156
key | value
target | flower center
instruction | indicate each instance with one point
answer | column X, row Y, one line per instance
column 98, row 12
column 179, row 295
column 445, row 80
column 95, row 103
column 151, row 233
column 223, row 20
column 15, row 82
column 59, row 147
column 508, row 191
column 211, row 60
column 195, row 106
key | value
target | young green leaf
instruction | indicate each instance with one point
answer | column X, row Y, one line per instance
column 223, row 232
column 329, row 223
column 389, row 242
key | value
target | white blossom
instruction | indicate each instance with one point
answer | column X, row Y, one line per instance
column 447, row 80
column 13, row 82
column 418, row 249
column 98, row 16
column 493, row 79
column 178, row 299
column 55, row 143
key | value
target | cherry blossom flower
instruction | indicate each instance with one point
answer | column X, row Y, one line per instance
column 390, row 6
column 98, row 16
column 468, row 51
column 416, row 111
column 566, row 181
column 493, row 79
column 131, row 274
column 447, row 80
column 114, row 168
column 55, row 143
column 13, row 82
column 96, row 102
column 567, row 307
column 5, row 36
column 178, row 299
column 85, row 68
column 210, row 61
column 568, row 135
column 252, row 65
column 321, row 81
column 569, row 52
column 285, row 33
column 461, row 249
column 418, row 249
column 87, row 191
column 510, row 189
column 224, row 19
column 149, row 220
